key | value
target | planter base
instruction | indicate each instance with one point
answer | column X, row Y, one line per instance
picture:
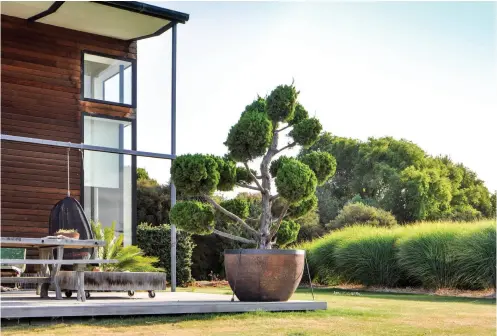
column 114, row 281
column 264, row 275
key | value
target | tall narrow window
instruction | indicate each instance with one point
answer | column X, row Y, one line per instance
column 108, row 79
column 107, row 176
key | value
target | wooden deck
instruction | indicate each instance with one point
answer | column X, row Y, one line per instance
column 18, row 305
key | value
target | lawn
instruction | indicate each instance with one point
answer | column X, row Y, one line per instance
column 349, row 313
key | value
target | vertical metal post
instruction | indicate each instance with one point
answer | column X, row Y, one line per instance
column 173, row 152
column 121, row 83
column 122, row 208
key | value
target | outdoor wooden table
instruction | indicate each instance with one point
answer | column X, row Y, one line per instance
column 46, row 246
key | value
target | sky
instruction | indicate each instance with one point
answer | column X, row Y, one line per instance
column 421, row 71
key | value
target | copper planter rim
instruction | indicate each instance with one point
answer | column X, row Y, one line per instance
column 263, row 251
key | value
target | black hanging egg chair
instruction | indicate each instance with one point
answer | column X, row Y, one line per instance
column 69, row 214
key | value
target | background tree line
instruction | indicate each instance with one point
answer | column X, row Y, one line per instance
column 399, row 177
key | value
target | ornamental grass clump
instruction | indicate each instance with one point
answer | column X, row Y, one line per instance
column 475, row 255
column 426, row 254
column 256, row 136
column 432, row 255
column 368, row 257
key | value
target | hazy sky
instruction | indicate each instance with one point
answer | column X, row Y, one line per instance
column 422, row 71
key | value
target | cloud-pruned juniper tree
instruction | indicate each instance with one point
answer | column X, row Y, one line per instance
column 256, row 136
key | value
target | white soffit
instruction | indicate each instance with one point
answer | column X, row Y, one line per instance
column 103, row 20
column 24, row 9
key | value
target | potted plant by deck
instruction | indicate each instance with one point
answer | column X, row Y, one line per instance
column 260, row 273
column 68, row 233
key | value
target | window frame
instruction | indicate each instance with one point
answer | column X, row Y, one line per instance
column 133, row 79
column 134, row 218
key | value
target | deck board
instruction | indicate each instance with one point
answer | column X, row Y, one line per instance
column 16, row 305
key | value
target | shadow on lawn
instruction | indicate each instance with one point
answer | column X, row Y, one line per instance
column 323, row 293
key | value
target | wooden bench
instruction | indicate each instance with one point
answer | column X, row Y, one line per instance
column 46, row 247
column 79, row 264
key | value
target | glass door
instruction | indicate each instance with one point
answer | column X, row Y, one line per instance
column 107, row 176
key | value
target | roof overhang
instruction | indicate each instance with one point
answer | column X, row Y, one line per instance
column 124, row 20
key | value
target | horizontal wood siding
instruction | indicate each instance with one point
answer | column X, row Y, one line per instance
column 41, row 81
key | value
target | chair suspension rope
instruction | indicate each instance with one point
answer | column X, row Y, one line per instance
column 68, row 184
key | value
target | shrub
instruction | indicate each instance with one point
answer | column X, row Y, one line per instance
column 156, row 241
column 475, row 258
column 310, row 228
column 369, row 257
column 153, row 203
column 465, row 213
column 358, row 213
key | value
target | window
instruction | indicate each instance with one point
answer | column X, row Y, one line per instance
column 108, row 80
column 108, row 195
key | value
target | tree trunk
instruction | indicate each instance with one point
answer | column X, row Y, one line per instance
column 266, row 216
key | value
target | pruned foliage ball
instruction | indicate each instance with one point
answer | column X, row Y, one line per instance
column 249, row 137
column 237, row 206
column 322, row 164
column 195, row 174
column 306, row 132
column 193, row 216
column 287, row 233
column 243, row 176
column 227, row 173
column 303, row 208
column 258, row 105
column 299, row 115
column 280, row 104
column 276, row 164
column 295, row 181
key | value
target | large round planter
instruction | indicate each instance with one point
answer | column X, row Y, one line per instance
column 264, row 275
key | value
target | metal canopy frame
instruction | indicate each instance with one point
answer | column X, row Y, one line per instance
column 134, row 153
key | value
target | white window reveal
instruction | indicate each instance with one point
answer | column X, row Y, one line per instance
column 108, row 79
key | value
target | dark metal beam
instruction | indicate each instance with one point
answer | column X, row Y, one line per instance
column 6, row 137
column 160, row 31
column 146, row 9
column 52, row 9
